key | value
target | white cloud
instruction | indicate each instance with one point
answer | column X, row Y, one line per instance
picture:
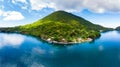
column 11, row 39
column 40, row 4
column 11, row 15
column 99, row 6
column 22, row 1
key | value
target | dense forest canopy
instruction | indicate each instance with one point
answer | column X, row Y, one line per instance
column 60, row 26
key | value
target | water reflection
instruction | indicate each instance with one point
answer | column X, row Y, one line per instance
column 30, row 52
column 11, row 39
column 23, row 51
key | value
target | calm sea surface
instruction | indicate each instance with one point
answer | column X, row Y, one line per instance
column 18, row 50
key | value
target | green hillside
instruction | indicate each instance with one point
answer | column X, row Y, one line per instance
column 62, row 27
column 117, row 28
column 67, row 18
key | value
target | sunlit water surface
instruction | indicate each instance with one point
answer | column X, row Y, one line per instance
column 18, row 50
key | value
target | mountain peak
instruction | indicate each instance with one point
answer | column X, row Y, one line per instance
column 62, row 16
column 60, row 11
column 62, row 27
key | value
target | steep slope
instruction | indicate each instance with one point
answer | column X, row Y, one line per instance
column 62, row 27
column 65, row 17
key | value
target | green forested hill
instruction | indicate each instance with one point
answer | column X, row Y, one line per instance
column 67, row 18
column 62, row 26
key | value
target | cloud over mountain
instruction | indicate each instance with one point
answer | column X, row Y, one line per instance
column 99, row 6
column 100, row 10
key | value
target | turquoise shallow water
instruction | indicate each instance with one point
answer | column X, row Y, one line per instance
column 18, row 50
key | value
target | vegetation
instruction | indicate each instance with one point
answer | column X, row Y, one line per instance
column 118, row 28
column 61, row 26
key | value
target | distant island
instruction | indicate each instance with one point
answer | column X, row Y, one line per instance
column 62, row 28
column 117, row 28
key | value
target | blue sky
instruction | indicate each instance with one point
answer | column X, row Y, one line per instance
column 21, row 12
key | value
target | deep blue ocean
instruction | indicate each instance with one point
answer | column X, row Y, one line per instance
column 18, row 50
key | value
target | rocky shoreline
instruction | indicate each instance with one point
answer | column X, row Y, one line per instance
column 74, row 42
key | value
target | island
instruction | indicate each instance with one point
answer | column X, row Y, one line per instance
column 60, row 27
column 117, row 28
